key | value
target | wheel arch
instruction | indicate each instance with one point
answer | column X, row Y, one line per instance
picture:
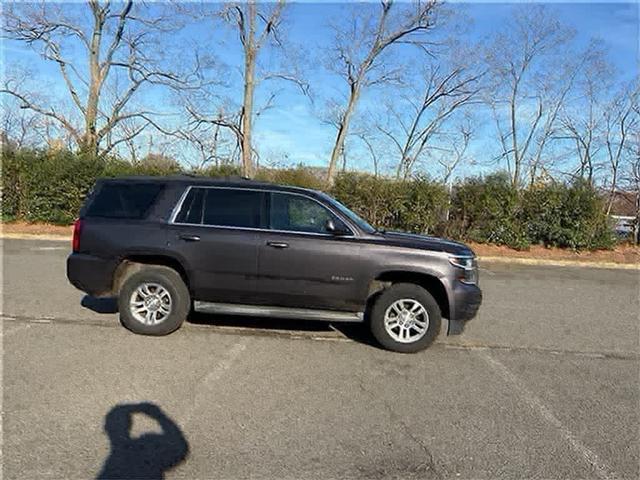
column 429, row 282
column 132, row 263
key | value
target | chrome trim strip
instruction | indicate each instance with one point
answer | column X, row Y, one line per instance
column 178, row 207
column 278, row 312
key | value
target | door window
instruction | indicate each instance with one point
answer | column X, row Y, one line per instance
column 299, row 214
column 232, row 208
column 222, row 207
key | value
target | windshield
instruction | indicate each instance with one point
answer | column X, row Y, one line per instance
column 360, row 222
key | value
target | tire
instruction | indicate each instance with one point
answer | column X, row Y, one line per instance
column 403, row 297
column 158, row 280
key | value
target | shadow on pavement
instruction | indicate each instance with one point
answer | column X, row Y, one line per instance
column 100, row 305
column 148, row 456
column 358, row 332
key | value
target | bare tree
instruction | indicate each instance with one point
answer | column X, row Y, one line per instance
column 357, row 54
column 621, row 120
column 259, row 27
column 20, row 127
column 419, row 115
column 529, row 84
column 581, row 120
column 118, row 48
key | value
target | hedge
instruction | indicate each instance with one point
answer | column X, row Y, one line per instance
column 50, row 186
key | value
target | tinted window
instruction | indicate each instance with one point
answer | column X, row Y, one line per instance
column 349, row 214
column 124, row 200
column 191, row 209
column 232, row 208
column 299, row 214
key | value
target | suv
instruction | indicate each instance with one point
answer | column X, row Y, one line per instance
column 167, row 245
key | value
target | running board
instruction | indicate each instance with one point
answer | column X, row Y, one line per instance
column 278, row 312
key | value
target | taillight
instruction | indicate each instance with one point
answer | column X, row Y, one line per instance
column 77, row 230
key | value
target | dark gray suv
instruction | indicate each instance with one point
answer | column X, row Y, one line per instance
column 167, row 245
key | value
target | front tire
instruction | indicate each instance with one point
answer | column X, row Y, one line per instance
column 154, row 301
column 405, row 318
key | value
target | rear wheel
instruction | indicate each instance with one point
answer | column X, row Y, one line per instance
column 405, row 318
column 154, row 301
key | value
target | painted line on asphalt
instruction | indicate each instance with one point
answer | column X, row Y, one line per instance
column 205, row 384
column 603, row 471
column 468, row 345
column 487, row 271
column 333, row 335
column 28, row 236
column 49, row 248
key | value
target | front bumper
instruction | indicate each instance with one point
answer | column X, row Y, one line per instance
column 90, row 274
column 465, row 303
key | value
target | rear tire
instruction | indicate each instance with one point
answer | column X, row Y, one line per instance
column 154, row 301
column 405, row 318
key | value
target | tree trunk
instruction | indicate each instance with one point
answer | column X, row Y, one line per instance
column 247, row 114
column 90, row 137
column 338, row 147
column 250, row 52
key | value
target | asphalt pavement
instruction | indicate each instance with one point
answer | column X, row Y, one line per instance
column 544, row 383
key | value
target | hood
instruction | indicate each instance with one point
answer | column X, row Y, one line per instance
column 425, row 242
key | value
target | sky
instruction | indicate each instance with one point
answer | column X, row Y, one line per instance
column 294, row 125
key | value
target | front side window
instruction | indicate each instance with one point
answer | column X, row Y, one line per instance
column 224, row 207
column 299, row 214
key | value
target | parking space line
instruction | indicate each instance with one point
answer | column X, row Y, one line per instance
column 216, row 372
column 600, row 468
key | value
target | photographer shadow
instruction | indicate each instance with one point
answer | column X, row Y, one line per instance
column 148, row 456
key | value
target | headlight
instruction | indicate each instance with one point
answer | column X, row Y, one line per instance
column 469, row 266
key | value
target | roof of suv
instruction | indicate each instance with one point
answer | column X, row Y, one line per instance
column 196, row 180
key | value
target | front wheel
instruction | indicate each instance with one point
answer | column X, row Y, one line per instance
column 154, row 301
column 405, row 318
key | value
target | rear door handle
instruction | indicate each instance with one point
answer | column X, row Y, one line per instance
column 278, row 244
column 190, row 238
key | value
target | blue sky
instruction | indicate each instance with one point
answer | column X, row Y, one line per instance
column 293, row 126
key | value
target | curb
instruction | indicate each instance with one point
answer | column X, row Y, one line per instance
column 560, row 263
column 511, row 260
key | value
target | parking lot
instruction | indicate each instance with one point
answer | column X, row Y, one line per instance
column 543, row 384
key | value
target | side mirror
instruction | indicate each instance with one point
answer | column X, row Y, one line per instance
column 331, row 227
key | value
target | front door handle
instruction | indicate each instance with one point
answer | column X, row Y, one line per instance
column 190, row 238
column 278, row 244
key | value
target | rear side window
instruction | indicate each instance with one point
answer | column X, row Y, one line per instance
column 124, row 200
column 222, row 207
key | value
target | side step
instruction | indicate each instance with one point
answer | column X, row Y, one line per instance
column 278, row 312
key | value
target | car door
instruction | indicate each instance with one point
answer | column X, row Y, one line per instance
column 302, row 265
column 214, row 230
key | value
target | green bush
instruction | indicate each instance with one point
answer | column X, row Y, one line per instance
column 488, row 211
column 50, row 186
column 298, row 177
column 415, row 206
column 568, row 216
column 55, row 185
column 12, row 190
column 219, row 171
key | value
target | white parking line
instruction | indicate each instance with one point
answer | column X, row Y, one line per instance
column 487, row 271
column 600, row 469
column 215, row 373
column 49, row 248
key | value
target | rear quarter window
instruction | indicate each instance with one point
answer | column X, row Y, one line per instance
column 129, row 201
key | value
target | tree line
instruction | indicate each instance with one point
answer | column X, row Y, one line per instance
column 411, row 93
